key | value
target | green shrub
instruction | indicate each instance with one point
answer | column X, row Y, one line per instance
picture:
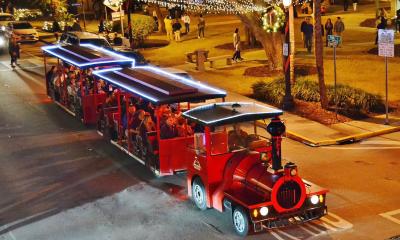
column 142, row 26
column 351, row 101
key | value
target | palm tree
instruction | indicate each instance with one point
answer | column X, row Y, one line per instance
column 319, row 48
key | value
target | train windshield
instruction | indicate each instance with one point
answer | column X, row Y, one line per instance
column 233, row 137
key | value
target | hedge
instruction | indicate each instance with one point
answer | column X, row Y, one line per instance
column 351, row 101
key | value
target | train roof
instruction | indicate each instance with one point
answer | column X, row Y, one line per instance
column 230, row 112
column 88, row 55
column 159, row 86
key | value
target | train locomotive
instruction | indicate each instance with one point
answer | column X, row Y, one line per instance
column 249, row 180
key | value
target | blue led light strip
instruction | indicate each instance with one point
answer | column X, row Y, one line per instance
column 185, row 80
column 122, row 60
column 187, row 113
column 132, row 89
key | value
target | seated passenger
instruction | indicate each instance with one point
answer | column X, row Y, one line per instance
column 183, row 128
column 168, row 129
column 237, row 138
column 148, row 123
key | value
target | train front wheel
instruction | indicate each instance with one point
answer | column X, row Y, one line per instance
column 240, row 221
column 199, row 194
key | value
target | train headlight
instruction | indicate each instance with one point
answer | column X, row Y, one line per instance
column 293, row 172
column 264, row 211
column 314, row 199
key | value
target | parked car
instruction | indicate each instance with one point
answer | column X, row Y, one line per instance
column 5, row 18
column 76, row 38
column 24, row 31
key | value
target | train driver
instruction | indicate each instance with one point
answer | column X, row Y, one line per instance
column 237, row 138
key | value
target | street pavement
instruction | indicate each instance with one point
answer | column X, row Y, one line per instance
column 60, row 180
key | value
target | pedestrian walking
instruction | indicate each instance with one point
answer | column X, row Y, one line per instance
column 13, row 50
column 101, row 25
column 328, row 29
column 186, row 21
column 177, row 30
column 345, row 5
column 168, row 27
column 355, row 2
column 398, row 20
column 302, row 26
column 236, row 46
column 338, row 29
column 76, row 26
column 201, row 25
column 382, row 24
column 308, row 35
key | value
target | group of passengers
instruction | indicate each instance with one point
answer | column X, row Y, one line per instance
column 68, row 84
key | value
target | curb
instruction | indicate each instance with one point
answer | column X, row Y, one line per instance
column 338, row 141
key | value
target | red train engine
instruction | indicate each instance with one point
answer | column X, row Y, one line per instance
column 235, row 171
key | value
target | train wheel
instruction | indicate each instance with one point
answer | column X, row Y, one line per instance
column 240, row 221
column 199, row 194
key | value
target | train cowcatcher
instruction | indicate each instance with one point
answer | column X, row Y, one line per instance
column 243, row 173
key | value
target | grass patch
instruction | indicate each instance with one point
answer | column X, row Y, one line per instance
column 352, row 102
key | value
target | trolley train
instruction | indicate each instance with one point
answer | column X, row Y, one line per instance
column 231, row 162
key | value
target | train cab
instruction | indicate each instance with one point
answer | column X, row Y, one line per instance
column 236, row 167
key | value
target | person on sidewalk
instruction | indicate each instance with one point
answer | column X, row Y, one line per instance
column 308, row 35
column 303, row 24
column 101, row 25
column 177, row 30
column 338, row 29
column 328, row 29
column 13, row 50
column 168, row 27
column 398, row 20
column 186, row 21
column 236, row 46
column 345, row 5
column 201, row 25
column 76, row 26
column 381, row 25
column 355, row 2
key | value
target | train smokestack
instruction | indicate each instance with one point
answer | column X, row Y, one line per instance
column 276, row 128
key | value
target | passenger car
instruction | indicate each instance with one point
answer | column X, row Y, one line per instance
column 24, row 31
column 77, row 38
column 5, row 18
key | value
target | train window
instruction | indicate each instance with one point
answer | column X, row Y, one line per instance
column 200, row 143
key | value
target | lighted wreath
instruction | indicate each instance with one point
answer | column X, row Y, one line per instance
column 114, row 3
column 273, row 19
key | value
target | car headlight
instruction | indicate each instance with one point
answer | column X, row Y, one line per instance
column 314, row 199
column 264, row 211
column 3, row 28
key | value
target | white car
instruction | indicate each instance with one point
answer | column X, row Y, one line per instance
column 5, row 18
column 23, row 31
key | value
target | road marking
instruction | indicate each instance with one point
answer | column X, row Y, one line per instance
column 308, row 230
column 389, row 216
column 382, row 142
column 328, row 224
column 360, row 148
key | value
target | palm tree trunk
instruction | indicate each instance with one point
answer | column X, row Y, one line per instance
column 319, row 48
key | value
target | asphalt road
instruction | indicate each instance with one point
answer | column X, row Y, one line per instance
column 60, row 180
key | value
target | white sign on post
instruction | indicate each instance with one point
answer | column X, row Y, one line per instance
column 116, row 16
column 386, row 43
column 285, row 49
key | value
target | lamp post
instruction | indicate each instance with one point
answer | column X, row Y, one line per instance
column 288, row 102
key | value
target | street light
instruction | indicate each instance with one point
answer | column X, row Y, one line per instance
column 288, row 102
